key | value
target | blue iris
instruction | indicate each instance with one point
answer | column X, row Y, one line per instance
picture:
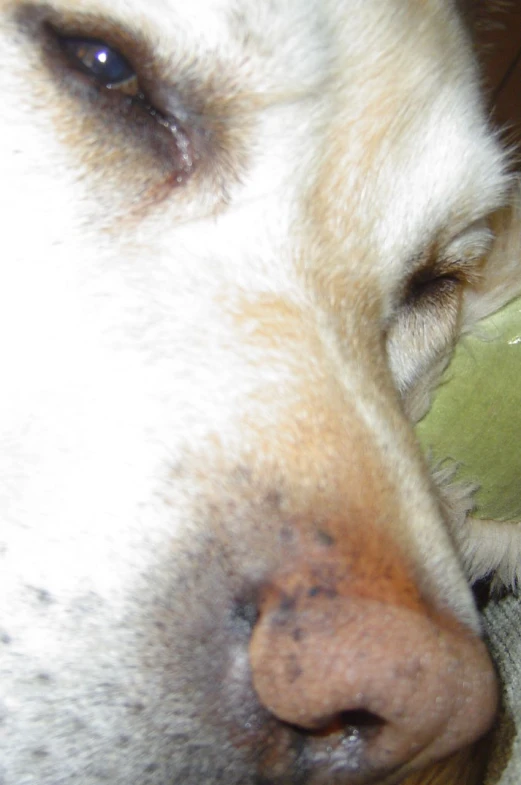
column 98, row 59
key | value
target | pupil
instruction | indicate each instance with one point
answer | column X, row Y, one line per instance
column 111, row 66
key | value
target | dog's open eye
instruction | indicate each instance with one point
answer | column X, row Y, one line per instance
column 99, row 60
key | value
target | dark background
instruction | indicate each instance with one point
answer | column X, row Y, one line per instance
column 499, row 46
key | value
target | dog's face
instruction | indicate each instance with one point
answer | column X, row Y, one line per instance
column 236, row 236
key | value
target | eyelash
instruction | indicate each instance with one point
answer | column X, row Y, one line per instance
column 427, row 285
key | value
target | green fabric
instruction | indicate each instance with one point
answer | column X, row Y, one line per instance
column 476, row 416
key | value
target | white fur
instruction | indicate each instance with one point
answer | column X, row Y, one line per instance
column 146, row 354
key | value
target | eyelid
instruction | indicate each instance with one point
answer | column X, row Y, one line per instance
column 473, row 243
column 459, row 258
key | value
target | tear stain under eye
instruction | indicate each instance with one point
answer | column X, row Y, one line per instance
column 183, row 144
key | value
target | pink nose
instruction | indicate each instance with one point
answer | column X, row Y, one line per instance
column 323, row 656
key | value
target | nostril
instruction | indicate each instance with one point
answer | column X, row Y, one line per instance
column 359, row 721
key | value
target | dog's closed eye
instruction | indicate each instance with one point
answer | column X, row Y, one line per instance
column 442, row 271
column 427, row 287
column 426, row 320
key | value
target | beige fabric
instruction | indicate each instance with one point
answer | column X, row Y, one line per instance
column 503, row 625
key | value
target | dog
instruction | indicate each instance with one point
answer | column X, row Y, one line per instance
column 240, row 240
